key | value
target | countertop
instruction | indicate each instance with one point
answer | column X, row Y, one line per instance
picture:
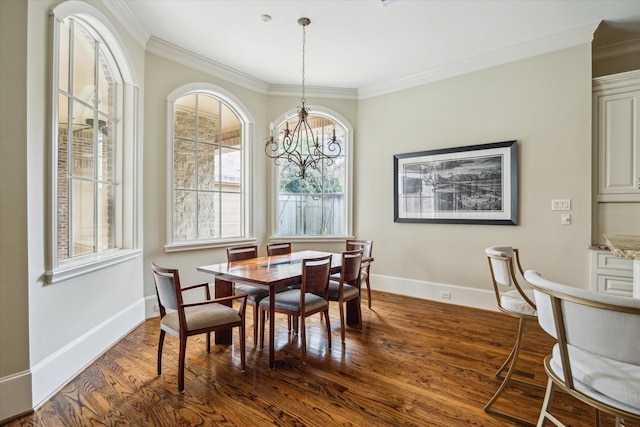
column 624, row 246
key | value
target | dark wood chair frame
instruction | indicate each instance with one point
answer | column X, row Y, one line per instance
column 162, row 273
column 367, row 251
column 349, row 274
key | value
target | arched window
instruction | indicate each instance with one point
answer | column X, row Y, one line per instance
column 208, row 170
column 318, row 206
column 93, row 187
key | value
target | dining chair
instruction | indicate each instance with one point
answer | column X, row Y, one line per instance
column 183, row 320
column 518, row 303
column 346, row 288
column 301, row 303
column 255, row 295
column 276, row 248
column 596, row 358
column 367, row 250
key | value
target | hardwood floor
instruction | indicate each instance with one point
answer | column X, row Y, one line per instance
column 416, row 363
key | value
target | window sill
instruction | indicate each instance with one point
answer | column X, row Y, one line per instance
column 193, row 246
column 86, row 266
column 309, row 239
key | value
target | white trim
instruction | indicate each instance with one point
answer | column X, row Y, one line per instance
column 190, row 59
column 195, row 245
column 80, row 267
column 313, row 91
column 61, row 367
column 628, row 46
column 616, row 81
column 123, row 14
column 513, row 53
column 460, row 295
column 15, row 395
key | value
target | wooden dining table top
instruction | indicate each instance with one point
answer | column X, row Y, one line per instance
column 272, row 271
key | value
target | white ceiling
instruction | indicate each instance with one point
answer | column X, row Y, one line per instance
column 360, row 43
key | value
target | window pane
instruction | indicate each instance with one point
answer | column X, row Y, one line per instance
column 106, row 87
column 231, row 128
column 206, row 166
column 185, row 118
column 208, row 118
column 63, row 218
column 184, row 215
column 184, row 165
column 63, row 136
column 63, row 57
column 106, row 216
column 231, row 215
column 231, row 169
column 207, row 214
column 83, row 216
column 82, row 143
column 106, row 151
column 84, row 65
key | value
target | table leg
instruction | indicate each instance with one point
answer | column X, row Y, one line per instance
column 272, row 324
column 223, row 288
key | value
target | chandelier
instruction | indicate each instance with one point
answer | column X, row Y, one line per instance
column 299, row 146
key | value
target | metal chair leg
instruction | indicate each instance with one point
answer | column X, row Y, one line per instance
column 512, row 360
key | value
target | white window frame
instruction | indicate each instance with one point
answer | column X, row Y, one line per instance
column 348, row 147
column 127, row 160
column 247, row 123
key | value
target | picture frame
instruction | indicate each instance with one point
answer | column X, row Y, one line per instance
column 475, row 184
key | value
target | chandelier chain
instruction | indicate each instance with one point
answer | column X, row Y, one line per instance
column 304, row 39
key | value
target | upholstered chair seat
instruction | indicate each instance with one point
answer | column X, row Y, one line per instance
column 334, row 291
column 513, row 302
column 200, row 317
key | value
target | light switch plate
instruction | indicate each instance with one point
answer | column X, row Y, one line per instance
column 561, row 204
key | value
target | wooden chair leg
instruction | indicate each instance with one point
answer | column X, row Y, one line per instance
column 160, row 344
column 262, row 322
column 243, row 346
column 342, row 326
column 181, row 357
column 303, row 332
column 368, row 293
column 255, row 324
column 326, row 316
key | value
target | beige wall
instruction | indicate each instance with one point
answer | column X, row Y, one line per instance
column 14, row 309
column 543, row 102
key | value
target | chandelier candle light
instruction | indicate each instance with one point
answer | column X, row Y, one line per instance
column 299, row 146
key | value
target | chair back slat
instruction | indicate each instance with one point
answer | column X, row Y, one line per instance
column 165, row 280
column 365, row 245
column 278, row 249
column 315, row 274
column 501, row 264
column 239, row 253
column 351, row 261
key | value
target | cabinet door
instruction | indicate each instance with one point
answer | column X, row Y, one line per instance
column 618, row 123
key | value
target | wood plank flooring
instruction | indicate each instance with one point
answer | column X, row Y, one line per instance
column 416, row 363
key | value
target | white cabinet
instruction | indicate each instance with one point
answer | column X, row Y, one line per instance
column 616, row 133
column 611, row 274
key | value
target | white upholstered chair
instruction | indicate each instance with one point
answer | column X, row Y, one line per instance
column 516, row 302
column 597, row 355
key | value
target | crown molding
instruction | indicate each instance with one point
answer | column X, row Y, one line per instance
column 314, row 91
column 123, row 14
column 578, row 36
column 183, row 56
column 627, row 46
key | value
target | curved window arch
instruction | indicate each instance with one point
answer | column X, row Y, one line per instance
column 95, row 141
column 320, row 206
column 208, row 173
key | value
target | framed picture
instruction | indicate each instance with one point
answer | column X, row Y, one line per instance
column 476, row 184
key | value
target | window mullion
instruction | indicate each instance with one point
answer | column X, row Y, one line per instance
column 96, row 165
column 70, row 106
column 196, row 141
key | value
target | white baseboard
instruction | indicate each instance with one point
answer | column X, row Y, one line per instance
column 459, row 295
column 54, row 372
column 15, row 395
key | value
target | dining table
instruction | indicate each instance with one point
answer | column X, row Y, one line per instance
column 273, row 273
